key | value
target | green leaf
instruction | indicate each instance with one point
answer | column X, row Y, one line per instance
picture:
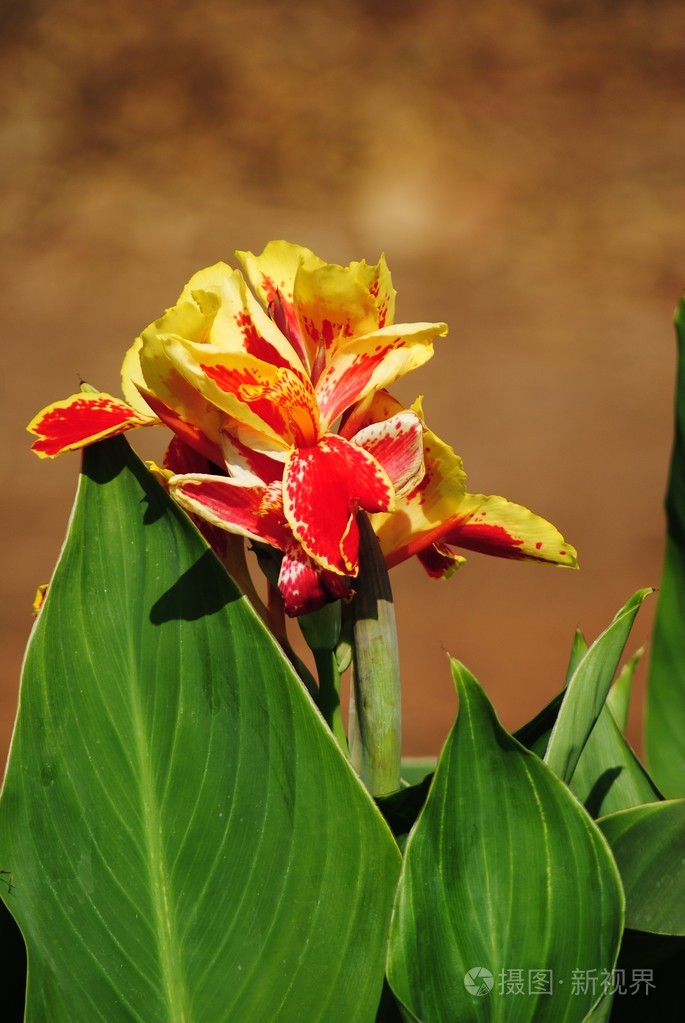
column 534, row 735
column 587, row 691
column 648, row 845
column 608, row 776
column 618, row 699
column 665, row 709
column 188, row 842
column 578, row 651
column 504, row 871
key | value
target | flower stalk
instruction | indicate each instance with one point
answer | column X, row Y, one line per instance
column 375, row 725
column 321, row 630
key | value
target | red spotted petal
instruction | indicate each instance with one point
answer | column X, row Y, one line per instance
column 83, row 419
column 369, row 363
column 305, row 586
column 323, row 488
column 232, row 505
column 190, row 434
column 397, row 443
column 272, row 275
column 493, row 525
column 334, row 303
column 285, row 404
column 272, row 400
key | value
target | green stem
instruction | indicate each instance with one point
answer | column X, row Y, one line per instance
column 279, row 631
column 375, row 724
column 329, row 694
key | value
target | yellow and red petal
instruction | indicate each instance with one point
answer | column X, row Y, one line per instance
column 132, row 379
column 232, row 505
column 167, row 388
column 397, row 443
column 39, row 598
column 200, row 440
column 305, row 586
column 440, row 514
column 272, row 275
column 214, row 309
column 323, row 488
column 271, row 400
column 367, row 364
column 83, row 419
column 493, row 525
column 421, row 513
column 336, row 303
column 238, row 321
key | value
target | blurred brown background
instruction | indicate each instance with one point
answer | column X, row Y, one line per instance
column 522, row 166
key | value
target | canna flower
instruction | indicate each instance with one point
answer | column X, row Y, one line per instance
column 255, row 389
column 284, row 429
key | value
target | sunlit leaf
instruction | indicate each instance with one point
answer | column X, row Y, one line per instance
column 665, row 713
column 618, row 700
column 493, row 880
column 587, row 691
column 188, row 842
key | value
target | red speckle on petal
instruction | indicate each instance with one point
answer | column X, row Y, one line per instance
column 258, row 346
column 84, row 421
column 269, row 289
column 323, row 487
column 486, row 539
column 538, row 545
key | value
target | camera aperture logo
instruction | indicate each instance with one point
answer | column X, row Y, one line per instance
column 479, row 981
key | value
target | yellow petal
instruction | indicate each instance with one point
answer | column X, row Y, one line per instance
column 335, row 303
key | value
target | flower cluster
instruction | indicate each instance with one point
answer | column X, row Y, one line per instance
column 284, row 428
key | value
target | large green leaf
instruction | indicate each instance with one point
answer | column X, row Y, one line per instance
column 587, row 691
column 188, row 842
column 504, row 872
column 665, row 716
column 648, row 843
